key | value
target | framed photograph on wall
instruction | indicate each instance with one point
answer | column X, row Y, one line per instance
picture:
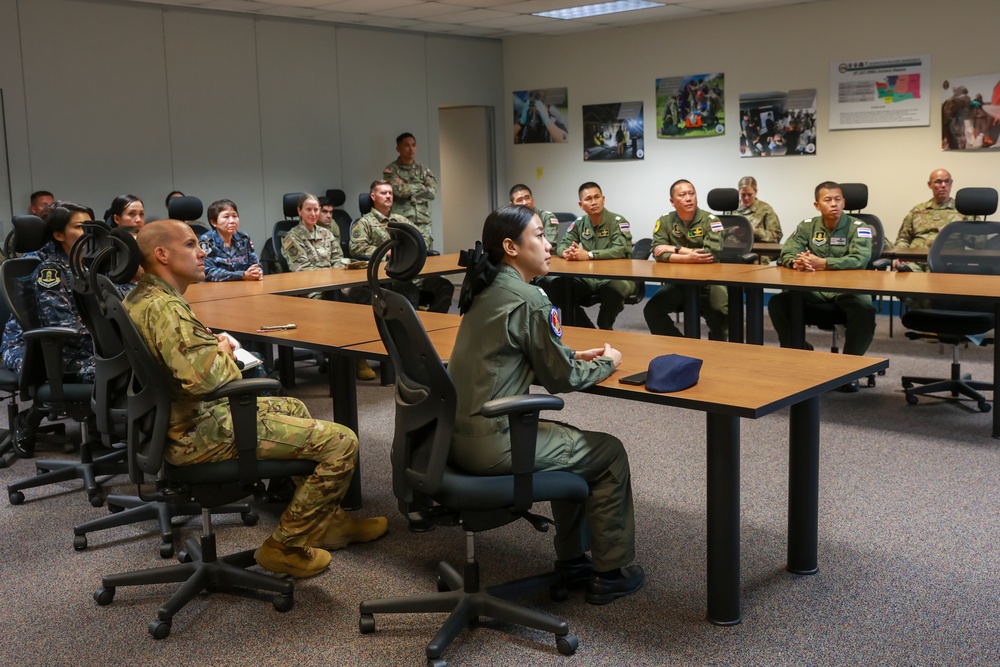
column 540, row 116
column 613, row 131
column 970, row 113
column 778, row 123
column 691, row 106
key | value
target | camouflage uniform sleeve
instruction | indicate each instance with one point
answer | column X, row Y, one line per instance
column 252, row 253
column 56, row 308
column 906, row 232
column 769, row 229
column 216, row 272
column 400, row 188
column 361, row 238
column 796, row 243
column 296, row 254
column 12, row 348
column 429, row 190
column 189, row 349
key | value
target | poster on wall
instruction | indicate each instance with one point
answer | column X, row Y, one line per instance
column 613, row 131
column 892, row 92
column 970, row 113
column 778, row 123
column 540, row 116
column 690, row 106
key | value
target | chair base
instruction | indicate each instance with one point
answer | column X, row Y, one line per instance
column 87, row 469
column 465, row 602
column 200, row 571
column 957, row 386
column 133, row 509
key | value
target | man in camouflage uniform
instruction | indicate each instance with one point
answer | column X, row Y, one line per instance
column 692, row 236
column 921, row 225
column 413, row 186
column 372, row 230
column 326, row 217
column 199, row 362
column 520, row 195
column 832, row 241
column 600, row 234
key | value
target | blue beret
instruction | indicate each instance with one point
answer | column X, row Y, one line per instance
column 672, row 372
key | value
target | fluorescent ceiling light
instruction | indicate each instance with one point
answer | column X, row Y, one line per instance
column 584, row 11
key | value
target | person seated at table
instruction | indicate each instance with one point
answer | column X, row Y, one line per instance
column 832, row 241
column 200, row 362
column 763, row 219
column 128, row 211
column 309, row 246
column 229, row 253
column 921, row 225
column 600, row 234
column 687, row 235
column 520, row 195
column 372, row 230
column 509, row 339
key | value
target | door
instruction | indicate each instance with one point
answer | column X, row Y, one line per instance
column 467, row 186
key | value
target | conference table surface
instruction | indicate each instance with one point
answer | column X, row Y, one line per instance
column 737, row 381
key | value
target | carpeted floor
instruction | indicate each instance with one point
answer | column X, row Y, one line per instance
column 909, row 565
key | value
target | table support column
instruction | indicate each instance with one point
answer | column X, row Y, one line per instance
column 345, row 412
column 797, row 317
column 755, row 315
column 723, row 519
column 803, row 487
column 692, row 311
column 735, row 313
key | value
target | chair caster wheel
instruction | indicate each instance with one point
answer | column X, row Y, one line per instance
column 166, row 550
column 96, row 499
column 366, row 624
column 16, row 498
column 984, row 406
column 437, row 662
column 912, row 400
column 558, row 593
column 567, row 644
column 104, row 596
column 115, row 509
column 159, row 629
column 907, row 385
column 283, row 603
column 184, row 557
column 442, row 587
column 79, row 542
column 249, row 518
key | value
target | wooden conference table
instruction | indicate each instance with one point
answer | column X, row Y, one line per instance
column 737, row 381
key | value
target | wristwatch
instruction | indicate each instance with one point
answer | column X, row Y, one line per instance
column 590, row 253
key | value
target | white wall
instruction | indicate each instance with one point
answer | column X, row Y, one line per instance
column 765, row 50
column 104, row 97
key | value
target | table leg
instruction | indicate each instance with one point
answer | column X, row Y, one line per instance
column 797, row 315
column 692, row 311
column 286, row 366
column 755, row 315
column 735, row 313
column 723, row 519
column 345, row 412
column 803, row 487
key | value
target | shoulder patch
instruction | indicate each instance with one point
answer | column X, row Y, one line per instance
column 716, row 226
column 387, row 170
column 656, row 227
column 49, row 278
column 554, row 322
column 206, row 247
column 624, row 226
column 864, row 232
column 571, row 226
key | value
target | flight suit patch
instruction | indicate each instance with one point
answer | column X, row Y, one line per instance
column 677, row 231
column 624, row 226
column 864, row 232
column 819, row 237
column 716, row 226
column 555, row 323
column 696, row 233
column 206, row 247
column 588, row 233
column 837, row 240
column 603, row 233
column 49, row 278
column 656, row 227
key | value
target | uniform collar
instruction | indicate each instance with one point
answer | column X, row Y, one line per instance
column 159, row 283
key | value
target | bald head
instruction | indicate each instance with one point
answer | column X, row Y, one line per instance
column 940, row 184
column 170, row 250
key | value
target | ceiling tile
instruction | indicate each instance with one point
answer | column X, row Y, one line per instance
column 472, row 15
column 419, row 11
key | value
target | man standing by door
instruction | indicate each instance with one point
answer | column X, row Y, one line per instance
column 413, row 186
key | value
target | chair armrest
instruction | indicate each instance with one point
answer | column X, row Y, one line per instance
column 522, row 414
column 881, row 264
column 242, row 395
column 58, row 333
column 433, row 253
column 749, row 258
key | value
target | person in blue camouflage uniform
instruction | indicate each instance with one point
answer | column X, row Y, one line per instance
column 372, row 230
column 200, row 362
column 229, row 253
column 600, row 234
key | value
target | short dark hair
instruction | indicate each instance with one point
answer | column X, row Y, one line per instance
column 678, row 182
column 60, row 214
column 404, row 135
column 587, row 186
column 40, row 193
column 827, row 185
column 518, row 188
column 173, row 193
column 375, row 184
column 217, row 207
column 324, row 201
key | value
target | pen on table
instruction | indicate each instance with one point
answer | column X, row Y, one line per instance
column 276, row 327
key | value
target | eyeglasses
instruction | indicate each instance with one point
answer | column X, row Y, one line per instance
column 942, row 181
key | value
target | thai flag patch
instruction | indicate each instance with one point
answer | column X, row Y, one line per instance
column 624, row 226
column 716, row 226
column 864, row 232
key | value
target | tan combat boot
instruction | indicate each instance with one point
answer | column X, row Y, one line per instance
column 300, row 562
column 364, row 371
column 346, row 529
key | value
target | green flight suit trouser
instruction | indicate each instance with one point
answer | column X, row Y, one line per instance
column 858, row 332
column 669, row 299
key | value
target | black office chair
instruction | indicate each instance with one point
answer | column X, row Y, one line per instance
column 826, row 316
column 565, row 220
column 290, row 209
column 427, row 486
column 737, row 235
column 207, row 484
column 960, row 247
column 9, row 386
column 114, row 372
column 187, row 209
column 341, row 218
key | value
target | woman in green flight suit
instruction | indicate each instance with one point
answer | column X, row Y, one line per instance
column 509, row 339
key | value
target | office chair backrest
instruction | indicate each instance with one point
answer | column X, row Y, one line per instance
column 341, row 218
column 281, row 227
column 976, row 202
column 425, row 394
column 290, row 205
column 27, row 234
column 855, row 199
column 737, row 235
column 185, row 209
column 365, row 203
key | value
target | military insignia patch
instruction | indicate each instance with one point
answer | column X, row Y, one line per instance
column 677, row 231
column 819, row 238
column 837, row 240
column 603, row 233
column 624, row 226
column 696, row 233
column 555, row 322
column 206, row 247
column 588, row 233
column 656, row 227
column 716, row 226
column 864, row 232
column 49, row 278
column 571, row 226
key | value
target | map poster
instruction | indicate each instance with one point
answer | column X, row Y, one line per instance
column 894, row 92
column 778, row 123
column 970, row 113
column 691, row 106
column 613, row 131
column 540, row 116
